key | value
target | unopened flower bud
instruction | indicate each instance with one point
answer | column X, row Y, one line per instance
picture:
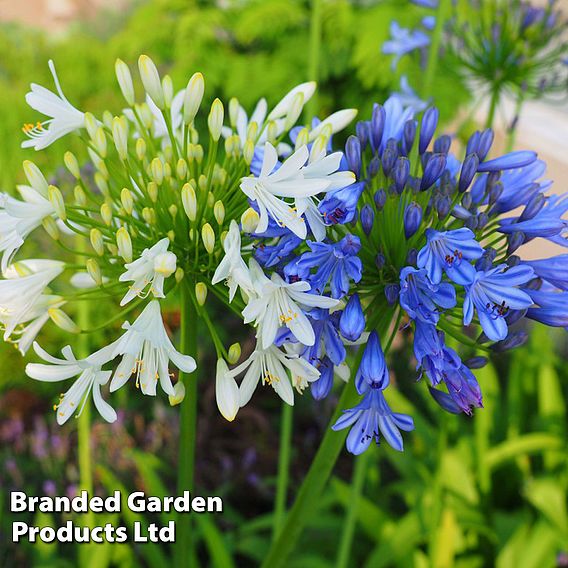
column 168, row 88
column 249, row 220
column 215, row 119
column 380, row 198
column 127, row 200
column 153, row 191
column 62, row 320
column 412, row 219
column 427, row 128
column 181, row 169
column 56, row 200
column 100, row 142
column 248, row 151
column 120, row 136
column 433, row 170
column 208, row 236
column 94, row 271
column 352, row 320
column 107, row 119
column 198, row 153
column 125, row 81
column 106, row 213
column 165, row 264
column 201, row 293
column 101, row 183
column 271, row 132
column 97, row 243
column 302, row 138
column 179, row 274
column 515, row 240
column 151, row 80
column 476, row 362
column 408, row 135
column 149, row 215
column 367, row 219
column 252, row 131
column 173, row 210
column 171, row 235
column 189, row 201
column 157, row 170
column 51, row 227
column 124, row 244
column 234, row 110
column 179, row 394
column 468, row 171
column 380, row 261
column 226, row 391
column 318, row 149
column 391, row 293
column 192, row 98
column 219, row 212
column 234, row 353
column 80, row 196
column 72, row 164
column 35, row 177
column 294, row 111
column 140, row 148
column 91, row 124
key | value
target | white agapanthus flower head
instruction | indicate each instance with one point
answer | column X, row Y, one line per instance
column 64, row 117
column 149, row 272
column 146, row 352
column 90, row 379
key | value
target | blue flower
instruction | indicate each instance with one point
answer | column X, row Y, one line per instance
column 463, row 391
column 335, row 263
column 340, row 205
column 493, row 293
column 552, row 307
column 450, row 251
column 371, row 418
column 272, row 255
column 373, row 369
column 322, row 386
column 408, row 97
column 327, row 339
column 553, row 270
column 419, row 297
column 352, row 320
column 403, row 41
column 510, row 161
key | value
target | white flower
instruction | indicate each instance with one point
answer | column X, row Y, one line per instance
column 269, row 366
column 19, row 218
column 278, row 303
column 226, row 391
column 284, row 106
column 64, row 116
column 335, row 122
column 154, row 265
column 90, row 378
column 22, row 299
column 233, row 268
column 243, row 122
column 147, row 351
column 286, row 181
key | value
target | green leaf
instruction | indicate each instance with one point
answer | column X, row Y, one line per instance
column 219, row 555
column 527, row 444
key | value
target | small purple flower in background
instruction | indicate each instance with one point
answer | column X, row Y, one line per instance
column 403, row 41
column 407, row 96
column 493, row 293
column 450, row 252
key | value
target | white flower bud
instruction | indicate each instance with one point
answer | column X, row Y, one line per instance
column 165, row 264
column 140, row 148
column 171, row 235
column 198, row 153
column 101, row 183
column 210, row 200
column 80, row 196
column 234, row 109
column 125, row 81
column 107, row 119
column 337, row 121
column 106, row 213
column 124, row 244
column 201, row 293
column 283, row 107
column 173, row 210
column 168, row 88
column 97, row 241
column 51, row 227
column 303, row 138
column 226, row 391
column 100, row 142
column 318, row 149
column 219, row 212
column 189, row 201
column 91, row 124
column 120, row 136
column 157, row 170
column 181, row 169
column 179, row 274
column 72, row 164
column 151, row 80
column 294, row 111
column 193, row 97
column 94, row 271
column 252, row 131
column 208, row 236
column 249, row 220
column 35, row 177
column 127, row 200
column 234, row 353
column 272, row 132
column 56, row 200
column 153, row 191
column 179, row 394
column 62, row 320
column 149, row 215
column 215, row 119
column 248, row 151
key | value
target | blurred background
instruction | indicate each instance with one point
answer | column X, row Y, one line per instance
column 484, row 491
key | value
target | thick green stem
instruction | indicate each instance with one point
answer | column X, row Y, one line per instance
column 314, row 54
column 310, row 492
column 433, row 54
column 185, row 542
column 283, row 468
column 352, row 511
column 492, row 108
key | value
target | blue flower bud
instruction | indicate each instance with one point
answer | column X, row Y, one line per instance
column 535, row 204
column 494, row 193
column 353, row 155
column 471, row 223
column 380, row 261
column 412, row 219
column 408, row 136
column 389, row 158
column 515, row 240
column 380, row 198
column 352, row 320
column 445, row 401
column 373, row 167
column 473, row 143
column 483, row 264
column 411, row 257
column 491, row 253
column 513, row 340
column 322, row 387
column 482, row 220
column 443, row 205
column 467, row 200
column 513, row 316
column 513, row 260
column 427, row 128
column 468, row 171
column 378, row 119
column 485, row 142
column 510, row 161
column 442, row 144
column 362, row 131
column 391, row 293
column 367, row 218
column 477, row 362
column 401, row 172
column 433, row 170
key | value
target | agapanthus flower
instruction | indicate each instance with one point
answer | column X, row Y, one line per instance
column 551, row 307
column 554, row 270
column 492, row 294
column 64, row 117
column 403, row 41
